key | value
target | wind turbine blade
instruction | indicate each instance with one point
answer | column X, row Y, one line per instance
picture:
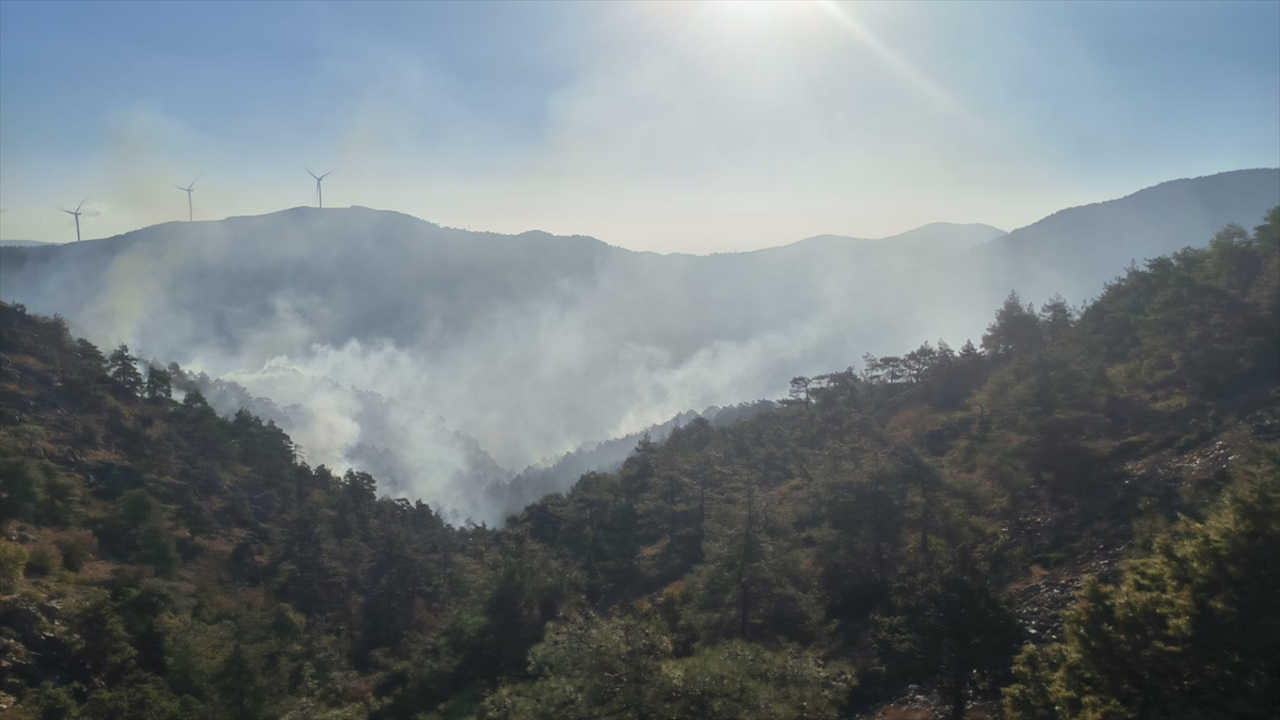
column 80, row 205
column 312, row 174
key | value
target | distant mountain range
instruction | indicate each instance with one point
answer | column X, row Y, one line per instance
column 385, row 332
column 934, row 236
column 1072, row 249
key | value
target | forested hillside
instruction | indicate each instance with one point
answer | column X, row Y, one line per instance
column 1075, row 517
column 436, row 355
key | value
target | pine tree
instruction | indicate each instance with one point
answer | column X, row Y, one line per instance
column 1191, row 631
column 159, row 384
column 121, row 367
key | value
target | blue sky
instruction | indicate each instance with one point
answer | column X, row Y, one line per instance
column 661, row 126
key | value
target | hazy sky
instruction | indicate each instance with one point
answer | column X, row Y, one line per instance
column 661, row 126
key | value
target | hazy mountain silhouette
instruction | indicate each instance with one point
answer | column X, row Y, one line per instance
column 1072, row 249
column 381, row 330
column 934, row 236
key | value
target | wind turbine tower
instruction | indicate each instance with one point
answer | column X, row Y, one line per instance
column 76, row 214
column 319, row 195
column 188, row 190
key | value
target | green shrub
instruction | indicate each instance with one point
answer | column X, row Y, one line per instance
column 52, row 703
column 158, row 549
column 77, row 546
column 13, row 560
column 20, row 482
column 42, row 560
column 58, row 501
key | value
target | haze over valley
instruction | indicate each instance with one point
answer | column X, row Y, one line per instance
column 446, row 360
column 639, row 360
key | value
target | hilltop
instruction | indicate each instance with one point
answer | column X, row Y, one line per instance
column 1071, row 249
column 938, row 236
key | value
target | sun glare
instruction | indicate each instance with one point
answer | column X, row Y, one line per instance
column 754, row 14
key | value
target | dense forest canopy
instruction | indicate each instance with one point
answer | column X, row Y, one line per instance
column 1075, row 516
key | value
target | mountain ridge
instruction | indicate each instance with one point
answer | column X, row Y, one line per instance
column 1165, row 184
column 946, row 531
column 534, row 343
column 998, row 233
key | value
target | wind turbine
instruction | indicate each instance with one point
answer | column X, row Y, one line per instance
column 319, row 195
column 188, row 190
column 76, row 214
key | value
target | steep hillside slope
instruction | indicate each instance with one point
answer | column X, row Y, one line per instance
column 881, row 537
column 1075, row 249
column 383, row 335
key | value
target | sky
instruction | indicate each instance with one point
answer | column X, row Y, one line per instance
column 670, row 127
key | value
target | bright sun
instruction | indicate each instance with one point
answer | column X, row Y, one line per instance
column 758, row 16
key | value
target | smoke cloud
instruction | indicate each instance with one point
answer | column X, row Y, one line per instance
column 445, row 361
